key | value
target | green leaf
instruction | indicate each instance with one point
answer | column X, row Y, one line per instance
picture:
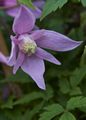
column 28, row 98
column 64, row 86
column 83, row 2
column 75, row 91
column 20, row 77
column 51, row 111
column 15, row 114
column 3, row 116
column 52, row 5
column 77, row 76
column 67, row 116
column 8, row 104
column 28, row 3
column 33, row 112
column 83, row 58
column 49, row 93
column 76, row 102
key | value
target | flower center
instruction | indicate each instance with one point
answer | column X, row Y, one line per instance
column 28, row 46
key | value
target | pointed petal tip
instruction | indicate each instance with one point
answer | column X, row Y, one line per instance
column 59, row 63
column 35, row 68
column 77, row 44
column 57, row 42
column 42, row 87
column 14, row 72
column 40, row 83
column 44, row 55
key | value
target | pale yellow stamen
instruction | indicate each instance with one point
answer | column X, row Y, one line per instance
column 28, row 46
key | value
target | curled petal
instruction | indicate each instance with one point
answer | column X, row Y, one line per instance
column 24, row 21
column 3, row 59
column 46, row 56
column 12, row 58
column 18, row 62
column 34, row 67
column 56, row 41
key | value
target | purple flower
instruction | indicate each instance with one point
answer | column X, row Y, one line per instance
column 27, row 45
column 13, row 7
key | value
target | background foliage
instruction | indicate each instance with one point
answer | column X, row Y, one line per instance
column 65, row 96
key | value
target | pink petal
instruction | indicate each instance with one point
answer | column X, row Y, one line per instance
column 56, row 41
column 34, row 67
column 46, row 56
column 18, row 62
column 24, row 21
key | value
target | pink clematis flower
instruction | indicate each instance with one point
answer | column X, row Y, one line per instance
column 13, row 6
column 27, row 47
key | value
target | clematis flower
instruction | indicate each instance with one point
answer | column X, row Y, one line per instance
column 13, row 6
column 27, row 47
